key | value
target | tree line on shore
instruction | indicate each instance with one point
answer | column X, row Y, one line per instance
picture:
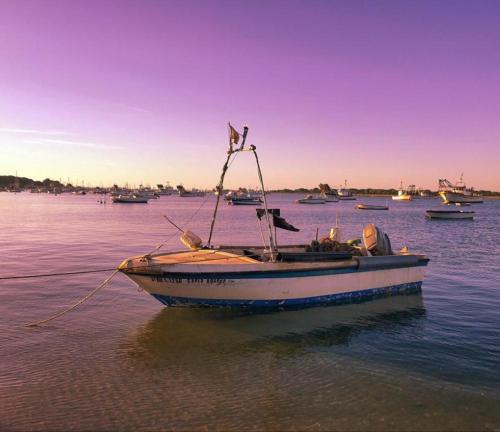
column 9, row 181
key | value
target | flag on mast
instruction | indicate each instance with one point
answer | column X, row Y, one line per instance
column 234, row 136
column 278, row 221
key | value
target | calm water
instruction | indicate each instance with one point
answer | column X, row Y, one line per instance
column 123, row 362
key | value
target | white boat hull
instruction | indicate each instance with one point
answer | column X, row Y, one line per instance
column 402, row 197
column 450, row 197
column 278, row 285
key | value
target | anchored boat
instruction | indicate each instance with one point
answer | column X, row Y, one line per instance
column 344, row 194
column 403, row 194
column 458, row 193
column 309, row 199
column 371, row 207
column 130, row 199
column 193, row 193
column 325, row 271
column 449, row 214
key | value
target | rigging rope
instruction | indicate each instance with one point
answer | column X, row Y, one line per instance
column 157, row 248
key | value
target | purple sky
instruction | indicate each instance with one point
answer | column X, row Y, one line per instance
column 141, row 91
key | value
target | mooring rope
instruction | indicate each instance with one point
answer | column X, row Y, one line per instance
column 90, row 294
column 42, row 275
column 103, row 284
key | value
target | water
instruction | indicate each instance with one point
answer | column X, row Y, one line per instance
column 123, row 362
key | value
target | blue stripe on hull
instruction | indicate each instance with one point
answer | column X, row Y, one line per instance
column 341, row 298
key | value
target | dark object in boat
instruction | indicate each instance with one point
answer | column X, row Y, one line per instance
column 328, row 245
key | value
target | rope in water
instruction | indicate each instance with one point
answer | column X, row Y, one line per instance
column 42, row 275
column 106, row 281
column 103, row 284
column 90, row 294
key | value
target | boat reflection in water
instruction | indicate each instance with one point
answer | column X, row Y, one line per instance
column 174, row 333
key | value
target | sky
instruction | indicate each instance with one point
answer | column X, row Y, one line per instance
column 375, row 92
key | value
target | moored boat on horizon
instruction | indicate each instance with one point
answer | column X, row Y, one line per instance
column 189, row 194
column 371, row 207
column 345, row 194
column 403, row 194
column 130, row 199
column 310, row 199
column 458, row 193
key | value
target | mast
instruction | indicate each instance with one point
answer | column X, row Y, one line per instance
column 220, row 187
column 272, row 245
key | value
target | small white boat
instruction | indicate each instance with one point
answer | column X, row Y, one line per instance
column 403, row 195
column 344, row 194
column 309, row 199
column 271, row 275
column 130, row 199
column 449, row 214
column 371, row 207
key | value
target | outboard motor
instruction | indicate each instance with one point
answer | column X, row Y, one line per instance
column 376, row 241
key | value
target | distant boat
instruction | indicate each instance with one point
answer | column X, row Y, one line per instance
column 189, row 194
column 344, row 193
column 449, row 214
column 458, row 193
column 309, row 199
column 403, row 195
column 165, row 190
column 130, row 199
column 245, row 200
column 371, row 207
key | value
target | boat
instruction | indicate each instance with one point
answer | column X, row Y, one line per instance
column 309, row 199
column 403, row 194
column 458, row 192
column 130, row 199
column 164, row 190
column 371, row 207
column 344, row 193
column 189, row 194
column 449, row 214
column 273, row 276
column 245, row 200
column 243, row 197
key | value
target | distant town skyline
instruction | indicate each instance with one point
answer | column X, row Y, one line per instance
column 141, row 92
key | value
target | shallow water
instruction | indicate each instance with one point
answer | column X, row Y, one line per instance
column 123, row 362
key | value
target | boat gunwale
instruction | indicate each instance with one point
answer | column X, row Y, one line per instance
column 295, row 269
